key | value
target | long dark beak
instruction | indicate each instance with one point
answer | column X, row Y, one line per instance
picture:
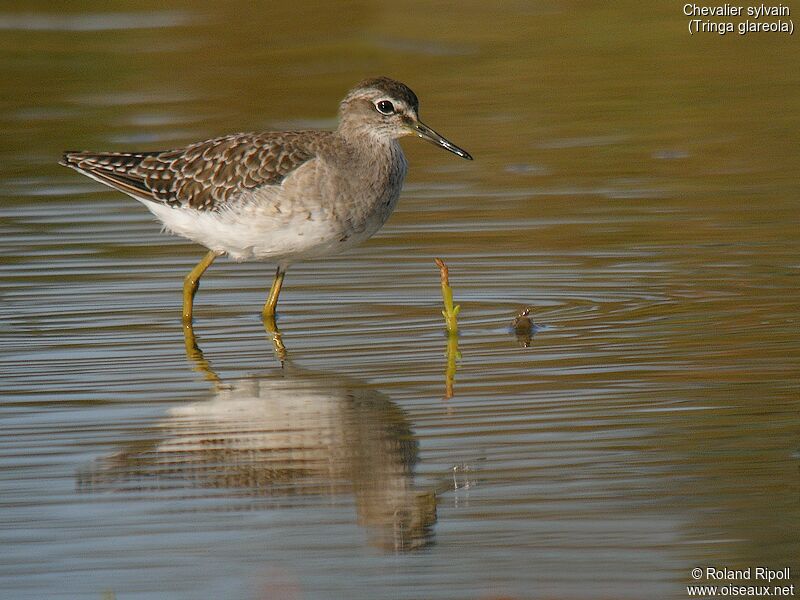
column 428, row 134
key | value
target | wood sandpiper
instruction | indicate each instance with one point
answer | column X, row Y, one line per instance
column 273, row 196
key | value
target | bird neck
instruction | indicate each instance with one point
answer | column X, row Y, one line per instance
column 355, row 128
column 363, row 141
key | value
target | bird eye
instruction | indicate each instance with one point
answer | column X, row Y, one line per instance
column 385, row 107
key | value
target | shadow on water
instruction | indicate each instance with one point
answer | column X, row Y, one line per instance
column 284, row 436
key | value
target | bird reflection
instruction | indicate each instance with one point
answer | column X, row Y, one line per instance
column 287, row 435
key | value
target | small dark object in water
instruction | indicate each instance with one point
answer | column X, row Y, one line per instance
column 523, row 327
column 522, row 322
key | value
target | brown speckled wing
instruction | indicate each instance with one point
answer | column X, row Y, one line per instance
column 204, row 176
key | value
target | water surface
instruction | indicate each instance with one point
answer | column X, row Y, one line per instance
column 635, row 186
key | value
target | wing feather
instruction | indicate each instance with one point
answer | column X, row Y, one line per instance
column 204, row 176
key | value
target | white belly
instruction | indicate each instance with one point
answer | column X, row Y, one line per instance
column 248, row 235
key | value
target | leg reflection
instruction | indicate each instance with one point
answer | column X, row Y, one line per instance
column 195, row 354
column 271, row 327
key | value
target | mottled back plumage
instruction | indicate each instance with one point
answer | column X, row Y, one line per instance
column 205, row 175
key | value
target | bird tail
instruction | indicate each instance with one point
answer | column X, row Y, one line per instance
column 115, row 169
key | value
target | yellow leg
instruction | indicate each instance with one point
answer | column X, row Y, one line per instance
column 274, row 292
column 191, row 281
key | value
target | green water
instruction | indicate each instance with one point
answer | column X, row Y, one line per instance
column 635, row 185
